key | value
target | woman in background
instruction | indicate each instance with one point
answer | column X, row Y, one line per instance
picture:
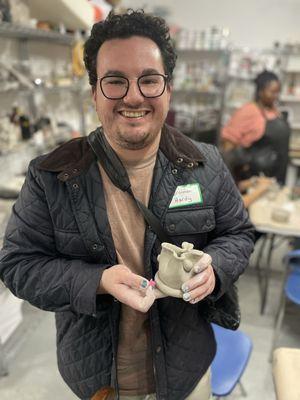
column 256, row 139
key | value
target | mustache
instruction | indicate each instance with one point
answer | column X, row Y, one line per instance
column 127, row 107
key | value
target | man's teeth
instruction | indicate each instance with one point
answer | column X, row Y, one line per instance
column 133, row 114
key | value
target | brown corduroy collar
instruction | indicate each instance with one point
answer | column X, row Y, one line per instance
column 75, row 156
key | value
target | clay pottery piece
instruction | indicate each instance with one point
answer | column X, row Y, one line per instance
column 175, row 267
column 280, row 215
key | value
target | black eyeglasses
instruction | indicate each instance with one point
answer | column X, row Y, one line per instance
column 116, row 87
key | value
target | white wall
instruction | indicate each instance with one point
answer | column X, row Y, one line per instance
column 254, row 23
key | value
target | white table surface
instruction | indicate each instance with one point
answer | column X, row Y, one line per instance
column 261, row 210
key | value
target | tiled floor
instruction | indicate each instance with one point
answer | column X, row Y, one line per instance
column 31, row 358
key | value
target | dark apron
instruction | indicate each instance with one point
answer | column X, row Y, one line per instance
column 269, row 155
column 271, row 151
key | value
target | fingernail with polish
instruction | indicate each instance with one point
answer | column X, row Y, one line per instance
column 185, row 288
column 186, row 296
column 144, row 284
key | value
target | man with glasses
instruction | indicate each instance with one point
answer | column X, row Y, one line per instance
column 77, row 242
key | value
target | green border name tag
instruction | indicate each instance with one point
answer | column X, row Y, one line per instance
column 186, row 195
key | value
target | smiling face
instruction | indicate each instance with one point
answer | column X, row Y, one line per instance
column 135, row 121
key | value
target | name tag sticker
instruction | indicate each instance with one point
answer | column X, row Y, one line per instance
column 186, row 195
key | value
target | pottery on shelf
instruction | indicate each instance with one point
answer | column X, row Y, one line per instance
column 175, row 267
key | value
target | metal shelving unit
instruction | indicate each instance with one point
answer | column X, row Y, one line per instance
column 195, row 92
column 20, row 32
column 24, row 35
column 200, row 91
column 290, row 101
column 196, row 53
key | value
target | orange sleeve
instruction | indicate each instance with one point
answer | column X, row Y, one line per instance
column 246, row 126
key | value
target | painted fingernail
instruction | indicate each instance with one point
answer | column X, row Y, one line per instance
column 144, row 284
column 185, row 288
column 193, row 301
column 152, row 283
column 186, row 297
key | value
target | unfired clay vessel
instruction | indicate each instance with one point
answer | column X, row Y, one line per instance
column 175, row 267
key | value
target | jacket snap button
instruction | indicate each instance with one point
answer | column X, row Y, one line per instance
column 190, row 165
column 174, row 171
column 75, row 186
column 158, row 349
column 179, row 160
column 95, row 246
column 172, row 227
column 66, row 176
column 75, row 170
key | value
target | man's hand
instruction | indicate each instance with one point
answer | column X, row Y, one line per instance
column 127, row 287
column 202, row 284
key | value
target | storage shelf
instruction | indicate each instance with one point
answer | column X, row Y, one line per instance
column 21, row 32
column 290, row 99
column 235, row 105
column 196, row 92
column 241, row 78
column 78, row 14
column 204, row 52
column 75, row 88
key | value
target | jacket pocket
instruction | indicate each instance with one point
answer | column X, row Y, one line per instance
column 190, row 221
column 190, row 224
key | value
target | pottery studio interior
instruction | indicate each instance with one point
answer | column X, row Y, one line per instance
column 149, row 200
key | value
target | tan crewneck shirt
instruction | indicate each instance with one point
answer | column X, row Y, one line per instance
column 134, row 361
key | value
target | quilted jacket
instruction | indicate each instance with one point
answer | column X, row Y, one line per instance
column 58, row 242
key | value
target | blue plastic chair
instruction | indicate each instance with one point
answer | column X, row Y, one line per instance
column 233, row 352
column 290, row 290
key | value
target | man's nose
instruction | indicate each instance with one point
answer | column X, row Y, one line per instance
column 133, row 96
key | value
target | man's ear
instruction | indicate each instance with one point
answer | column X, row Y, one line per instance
column 170, row 86
column 169, row 90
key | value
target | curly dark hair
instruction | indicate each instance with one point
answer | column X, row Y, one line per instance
column 132, row 23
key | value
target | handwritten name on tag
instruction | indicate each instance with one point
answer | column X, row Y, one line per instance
column 186, row 195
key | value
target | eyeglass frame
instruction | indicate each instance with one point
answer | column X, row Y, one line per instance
column 128, row 85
